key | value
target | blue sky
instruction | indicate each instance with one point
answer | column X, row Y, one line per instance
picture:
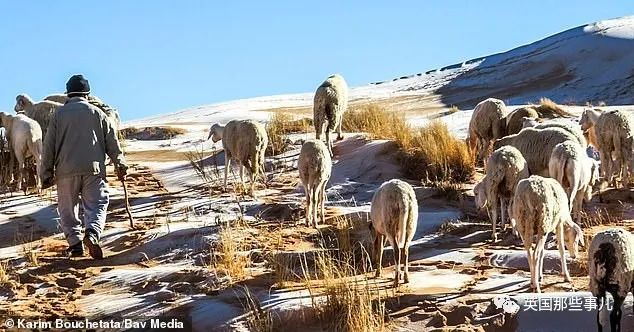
column 149, row 57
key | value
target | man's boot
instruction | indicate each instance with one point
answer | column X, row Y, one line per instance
column 91, row 241
column 76, row 250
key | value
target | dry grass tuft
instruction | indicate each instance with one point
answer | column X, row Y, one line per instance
column 151, row 133
column 206, row 171
column 226, row 254
column 430, row 153
column 31, row 253
column 259, row 319
column 281, row 124
column 4, row 273
column 597, row 218
column 549, row 109
column 344, row 301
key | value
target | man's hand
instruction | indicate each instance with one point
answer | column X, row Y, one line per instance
column 122, row 171
column 47, row 182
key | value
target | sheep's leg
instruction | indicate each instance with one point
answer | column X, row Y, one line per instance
column 308, row 207
column 322, row 202
column 379, row 242
column 253, row 176
column 494, row 218
column 540, row 267
column 599, row 326
column 539, row 260
column 328, row 142
column 562, row 252
column 242, row 186
column 397, row 260
column 339, row 135
column 227, row 164
column 530, row 253
column 405, row 256
column 21, row 169
column 314, row 202
column 615, row 315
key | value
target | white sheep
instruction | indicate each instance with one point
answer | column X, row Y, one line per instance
column 576, row 172
column 314, row 166
column 25, row 138
column 330, row 102
column 244, row 142
column 515, row 119
column 111, row 113
column 588, row 118
column 536, row 145
column 539, row 207
column 394, row 214
column 57, row 97
column 614, row 132
column 40, row 111
column 611, row 269
column 488, row 122
column 505, row 167
column 572, row 128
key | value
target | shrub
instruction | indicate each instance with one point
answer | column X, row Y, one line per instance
column 281, row 124
column 151, row 133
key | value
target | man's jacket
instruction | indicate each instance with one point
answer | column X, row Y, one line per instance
column 78, row 138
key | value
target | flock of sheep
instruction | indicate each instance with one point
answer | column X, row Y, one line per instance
column 26, row 130
column 541, row 173
column 537, row 173
column 537, row 176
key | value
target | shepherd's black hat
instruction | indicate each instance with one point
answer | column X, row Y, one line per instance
column 77, row 84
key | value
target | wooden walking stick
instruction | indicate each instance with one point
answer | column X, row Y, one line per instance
column 127, row 202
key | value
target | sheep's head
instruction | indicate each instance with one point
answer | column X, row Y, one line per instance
column 528, row 122
column 586, row 119
column 573, row 238
column 480, row 195
column 22, row 101
column 215, row 133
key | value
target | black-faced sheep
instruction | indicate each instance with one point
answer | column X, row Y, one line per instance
column 394, row 214
column 314, row 166
column 330, row 102
column 505, row 168
column 539, row 207
column 487, row 123
column 611, row 269
column 244, row 142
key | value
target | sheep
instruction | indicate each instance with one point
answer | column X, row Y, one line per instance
column 515, row 119
column 111, row 113
column 394, row 214
column 505, row 168
column 539, row 207
column 614, row 132
column 58, row 98
column 487, row 123
column 570, row 127
column 330, row 102
column 314, row 166
column 536, row 145
column 529, row 122
column 611, row 269
column 588, row 118
column 576, row 172
column 244, row 142
column 25, row 138
column 40, row 111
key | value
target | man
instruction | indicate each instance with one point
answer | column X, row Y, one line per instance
column 79, row 136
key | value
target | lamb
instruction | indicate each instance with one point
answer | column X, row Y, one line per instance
column 536, row 145
column 614, row 131
column 25, row 138
column 576, row 172
column 611, row 269
column 244, row 142
column 539, row 207
column 394, row 214
column 515, row 119
column 57, row 97
column 330, row 102
column 315, row 166
column 40, row 111
column 505, row 168
column 487, row 123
